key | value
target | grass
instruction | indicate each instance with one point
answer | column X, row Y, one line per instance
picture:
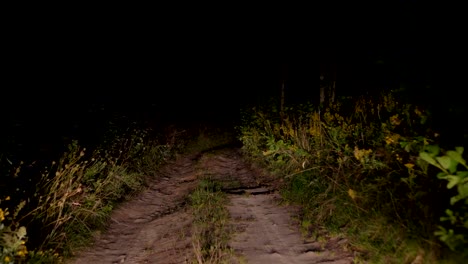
column 75, row 195
column 375, row 237
column 211, row 232
column 72, row 198
column 354, row 169
column 211, row 229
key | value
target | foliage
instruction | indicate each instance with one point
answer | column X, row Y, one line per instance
column 75, row 195
column 455, row 232
column 355, row 162
column 13, row 237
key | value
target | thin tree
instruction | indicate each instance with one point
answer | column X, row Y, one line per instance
column 327, row 83
column 284, row 74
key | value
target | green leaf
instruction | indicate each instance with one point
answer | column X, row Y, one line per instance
column 442, row 175
column 444, row 161
column 455, row 199
column 459, row 150
column 455, row 155
column 433, row 150
column 463, row 189
column 406, row 147
column 462, row 194
column 419, row 139
column 403, row 144
column 450, row 216
column 463, row 174
column 453, row 180
column 429, row 159
column 442, row 231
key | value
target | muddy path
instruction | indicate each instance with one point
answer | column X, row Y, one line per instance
column 155, row 226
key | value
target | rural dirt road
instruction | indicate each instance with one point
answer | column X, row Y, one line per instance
column 156, row 225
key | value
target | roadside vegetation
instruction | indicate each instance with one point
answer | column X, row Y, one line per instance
column 72, row 197
column 48, row 213
column 368, row 168
column 371, row 169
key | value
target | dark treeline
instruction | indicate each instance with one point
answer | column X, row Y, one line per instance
column 430, row 79
column 48, row 106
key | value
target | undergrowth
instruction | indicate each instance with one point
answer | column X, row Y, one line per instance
column 368, row 168
column 72, row 197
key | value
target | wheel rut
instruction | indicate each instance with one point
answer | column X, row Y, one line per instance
column 155, row 226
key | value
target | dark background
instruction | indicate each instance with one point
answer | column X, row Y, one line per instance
column 66, row 80
column 51, row 94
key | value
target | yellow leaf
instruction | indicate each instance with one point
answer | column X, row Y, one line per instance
column 409, row 165
column 352, row 194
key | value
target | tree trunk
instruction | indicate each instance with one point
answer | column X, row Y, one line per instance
column 284, row 75
column 327, row 83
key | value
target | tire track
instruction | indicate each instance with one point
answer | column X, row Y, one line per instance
column 264, row 231
column 155, row 226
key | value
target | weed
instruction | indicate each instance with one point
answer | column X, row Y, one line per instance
column 210, row 226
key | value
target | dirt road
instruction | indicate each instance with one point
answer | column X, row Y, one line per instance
column 155, row 227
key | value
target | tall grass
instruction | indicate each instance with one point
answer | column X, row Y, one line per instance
column 355, row 168
column 75, row 195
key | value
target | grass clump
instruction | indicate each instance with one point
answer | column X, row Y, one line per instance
column 210, row 226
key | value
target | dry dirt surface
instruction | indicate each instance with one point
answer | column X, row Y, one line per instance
column 155, row 226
